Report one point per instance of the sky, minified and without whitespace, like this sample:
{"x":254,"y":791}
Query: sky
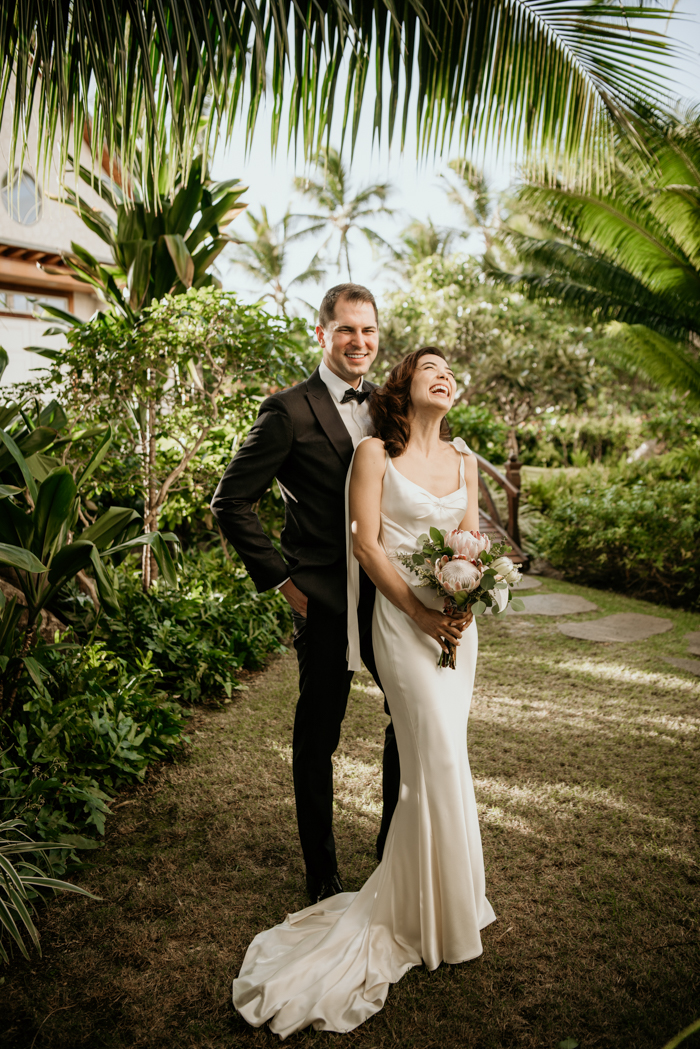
{"x":417,"y":184}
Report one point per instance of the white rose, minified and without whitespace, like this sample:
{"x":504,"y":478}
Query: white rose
{"x":502,"y":566}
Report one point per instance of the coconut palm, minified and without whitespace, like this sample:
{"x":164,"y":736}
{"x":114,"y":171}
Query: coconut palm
{"x":421,"y":240}
{"x":265,"y":258}
{"x":549,"y":74}
{"x":341,"y":211}
{"x":629,"y":252}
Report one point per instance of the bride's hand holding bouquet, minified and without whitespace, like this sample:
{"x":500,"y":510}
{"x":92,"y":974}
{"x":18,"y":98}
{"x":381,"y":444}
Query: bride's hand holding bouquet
{"x":470,"y":572}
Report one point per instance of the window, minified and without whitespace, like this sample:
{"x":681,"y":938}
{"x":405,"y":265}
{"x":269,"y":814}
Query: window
{"x":22,"y":198}
{"x":19,"y":303}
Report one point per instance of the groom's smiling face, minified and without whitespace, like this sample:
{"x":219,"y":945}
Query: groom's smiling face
{"x":350,"y":341}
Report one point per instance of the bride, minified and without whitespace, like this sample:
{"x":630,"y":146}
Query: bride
{"x":331,"y":964}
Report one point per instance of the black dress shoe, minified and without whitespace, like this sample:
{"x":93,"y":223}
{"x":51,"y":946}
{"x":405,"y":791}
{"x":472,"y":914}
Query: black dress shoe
{"x":321,"y":888}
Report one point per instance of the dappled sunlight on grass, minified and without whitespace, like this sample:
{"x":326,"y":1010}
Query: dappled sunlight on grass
{"x":626,"y":675}
{"x":586,"y":768}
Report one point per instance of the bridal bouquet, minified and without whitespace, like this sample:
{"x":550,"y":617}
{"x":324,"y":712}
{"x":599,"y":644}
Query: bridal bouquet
{"x":465,"y":568}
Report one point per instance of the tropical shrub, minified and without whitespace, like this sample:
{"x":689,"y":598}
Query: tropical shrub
{"x":633,"y":530}
{"x":481,"y":429}
{"x":180,"y":387}
{"x":199,"y":634}
{"x":22,"y":884}
{"x":514,"y":357}
{"x":88,"y":724}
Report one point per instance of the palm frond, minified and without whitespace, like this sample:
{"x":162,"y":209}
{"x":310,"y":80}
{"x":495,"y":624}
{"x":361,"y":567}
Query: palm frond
{"x":667,"y":363}
{"x":544,"y":74}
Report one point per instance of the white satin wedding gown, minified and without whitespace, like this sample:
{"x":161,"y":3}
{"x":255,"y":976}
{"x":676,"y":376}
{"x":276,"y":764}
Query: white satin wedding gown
{"x":331,"y":964}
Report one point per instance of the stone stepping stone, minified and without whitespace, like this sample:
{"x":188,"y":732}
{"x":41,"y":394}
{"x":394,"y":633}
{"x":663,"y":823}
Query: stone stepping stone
{"x":625,"y":626}
{"x":691,"y":665}
{"x":555,"y":605}
{"x":693,"y":642}
{"x":528,"y":582}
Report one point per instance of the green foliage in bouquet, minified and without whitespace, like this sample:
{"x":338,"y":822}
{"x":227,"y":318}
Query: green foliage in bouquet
{"x":480,"y":599}
{"x":87,"y":725}
{"x":199,"y":634}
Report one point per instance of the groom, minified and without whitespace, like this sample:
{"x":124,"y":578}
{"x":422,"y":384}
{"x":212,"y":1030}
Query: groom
{"x":304,"y":437}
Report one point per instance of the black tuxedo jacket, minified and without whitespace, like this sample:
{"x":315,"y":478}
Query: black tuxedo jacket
{"x":299,"y":438}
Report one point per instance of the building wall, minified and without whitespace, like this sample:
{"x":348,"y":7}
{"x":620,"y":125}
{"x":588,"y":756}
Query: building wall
{"x":53,"y":231}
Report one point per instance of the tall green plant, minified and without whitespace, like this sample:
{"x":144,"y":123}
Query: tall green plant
{"x":545,"y":74}
{"x":160,"y":244}
{"x":19,"y":881}
{"x":628,"y":252}
{"x":38,"y":541}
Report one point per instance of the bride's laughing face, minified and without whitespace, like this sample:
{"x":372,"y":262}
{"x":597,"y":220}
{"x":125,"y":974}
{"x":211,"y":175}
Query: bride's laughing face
{"x":433,"y":387}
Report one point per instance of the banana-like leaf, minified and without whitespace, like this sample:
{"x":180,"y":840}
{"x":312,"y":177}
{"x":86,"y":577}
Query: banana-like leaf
{"x":19,"y":558}
{"x":7,"y":490}
{"x":108,"y":594}
{"x":61,"y":315}
{"x":182,"y":260}
{"x":112,"y":523}
{"x":4,"y":360}
{"x":158,"y":543}
{"x":140,"y":274}
{"x":69,"y":560}
{"x":53,"y":511}
{"x":41,"y":437}
{"x":15,"y":526}
{"x":97,"y":456}
{"x":43,"y":351}
{"x":21,"y":462}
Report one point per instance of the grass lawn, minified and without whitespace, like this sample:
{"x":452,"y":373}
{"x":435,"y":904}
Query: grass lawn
{"x":586,"y":763}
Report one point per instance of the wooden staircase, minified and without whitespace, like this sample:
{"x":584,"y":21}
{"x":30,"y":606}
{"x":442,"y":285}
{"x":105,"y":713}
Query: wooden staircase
{"x":489,"y":518}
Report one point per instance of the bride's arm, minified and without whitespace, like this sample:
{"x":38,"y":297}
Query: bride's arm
{"x":365,"y":523}
{"x":470,"y":521}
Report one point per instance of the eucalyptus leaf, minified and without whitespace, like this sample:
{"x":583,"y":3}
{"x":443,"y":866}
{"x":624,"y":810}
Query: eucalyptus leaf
{"x":478,"y":608}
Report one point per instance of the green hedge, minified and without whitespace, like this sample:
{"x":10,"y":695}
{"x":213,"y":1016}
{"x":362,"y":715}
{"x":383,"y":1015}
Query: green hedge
{"x":200,"y":633}
{"x":638,"y":534}
{"x":87,"y":724}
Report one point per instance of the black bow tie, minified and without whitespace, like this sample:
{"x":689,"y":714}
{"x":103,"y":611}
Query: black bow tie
{"x":355,"y":395}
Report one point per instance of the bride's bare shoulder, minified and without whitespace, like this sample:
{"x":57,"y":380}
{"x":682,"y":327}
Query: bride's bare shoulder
{"x":370,"y":450}
{"x":370,"y":455}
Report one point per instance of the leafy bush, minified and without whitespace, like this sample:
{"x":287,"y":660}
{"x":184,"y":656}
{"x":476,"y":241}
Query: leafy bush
{"x":89,"y":724}
{"x":483,"y":432}
{"x":632,"y":530}
{"x":199,"y":634}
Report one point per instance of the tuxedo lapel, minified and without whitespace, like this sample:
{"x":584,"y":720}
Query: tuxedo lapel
{"x":328,"y":416}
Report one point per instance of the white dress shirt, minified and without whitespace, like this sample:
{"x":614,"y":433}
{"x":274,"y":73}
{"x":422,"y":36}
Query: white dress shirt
{"x":355,"y":416}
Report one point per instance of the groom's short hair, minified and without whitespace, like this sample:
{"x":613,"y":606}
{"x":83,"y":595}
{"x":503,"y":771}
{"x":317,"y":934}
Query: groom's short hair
{"x":351,"y":292}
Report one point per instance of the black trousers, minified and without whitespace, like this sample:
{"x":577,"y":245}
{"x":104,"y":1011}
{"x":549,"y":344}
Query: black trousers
{"x":321,"y":643}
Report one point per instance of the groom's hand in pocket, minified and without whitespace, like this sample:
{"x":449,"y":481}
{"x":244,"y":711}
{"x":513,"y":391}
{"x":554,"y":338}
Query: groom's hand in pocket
{"x":295,"y":597}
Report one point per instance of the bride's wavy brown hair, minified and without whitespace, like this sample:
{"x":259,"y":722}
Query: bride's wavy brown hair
{"x":390,"y":403}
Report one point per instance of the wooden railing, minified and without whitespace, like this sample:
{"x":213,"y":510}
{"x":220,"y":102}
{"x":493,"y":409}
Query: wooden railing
{"x":490,"y":519}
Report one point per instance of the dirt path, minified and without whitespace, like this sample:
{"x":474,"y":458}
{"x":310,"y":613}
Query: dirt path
{"x":586,"y":763}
